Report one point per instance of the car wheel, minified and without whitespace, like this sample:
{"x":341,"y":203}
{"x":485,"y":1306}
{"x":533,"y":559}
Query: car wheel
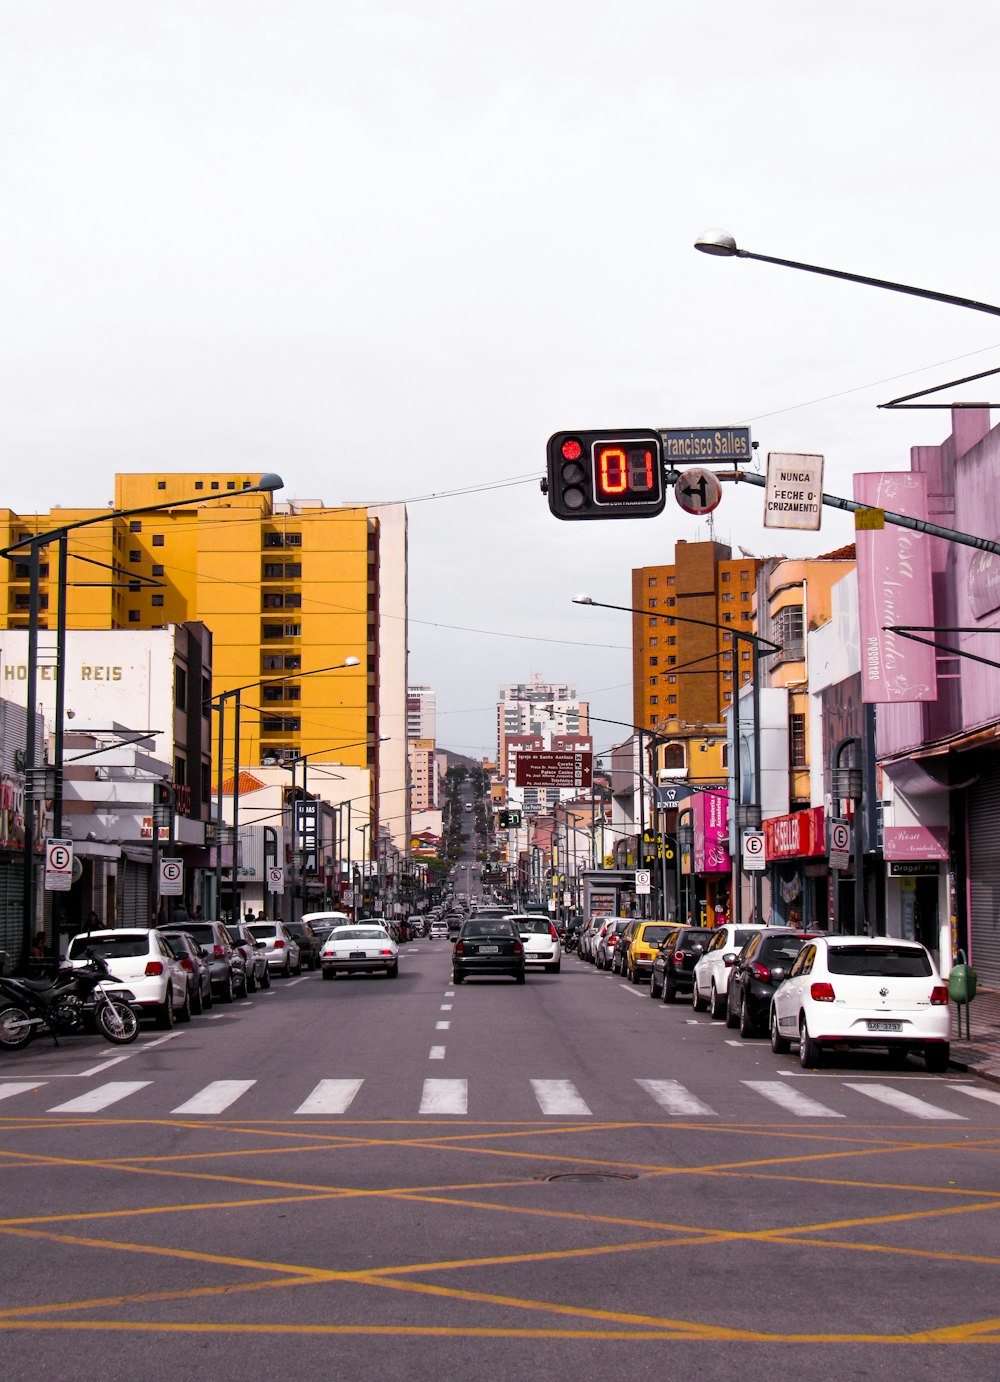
{"x":226,"y":993}
{"x":392,"y":971}
{"x":716,"y":1005}
{"x":697,"y":1002}
{"x":197,"y":1002}
{"x":208,"y":999}
{"x":457,"y":977}
{"x":244,"y":989}
{"x":810,"y":1054}
{"x":329,"y":974}
{"x":936,"y":1057}
{"x":669,"y":991}
{"x":286,"y":968}
{"x":251,"y":980}
{"x":633,"y":976}
{"x":185,"y":1013}
{"x":265,"y":978}
{"x":654,"y":992}
{"x":747,"y":1025}
{"x":164,"y":1012}
{"x":554,"y":969}
{"x":298,"y":969}
{"x":779,"y":1045}
{"x":732,"y":1011}
{"x":519,"y":978}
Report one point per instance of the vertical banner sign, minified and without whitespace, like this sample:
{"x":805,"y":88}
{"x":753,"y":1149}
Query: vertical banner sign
{"x":894,"y":587}
{"x":171,"y":878}
{"x":710,"y":828}
{"x":58,"y":866}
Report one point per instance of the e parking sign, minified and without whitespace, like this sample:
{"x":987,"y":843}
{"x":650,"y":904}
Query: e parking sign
{"x":58,"y":866}
{"x":171,"y":878}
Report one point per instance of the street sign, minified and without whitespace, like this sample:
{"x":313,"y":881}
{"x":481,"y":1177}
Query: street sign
{"x":58,"y":866}
{"x":794,"y":494}
{"x":548,"y":769}
{"x":705,"y":444}
{"x":642,"y":882}
{"x":171,"y":878}
{"x":698,"y":491}
{"x":671,"y":793}
{"x":754,"y":860}
{"x":840,"y":844}
{"x":275,"y":878}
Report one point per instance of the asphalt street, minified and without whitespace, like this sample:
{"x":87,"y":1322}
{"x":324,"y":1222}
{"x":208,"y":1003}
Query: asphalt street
{"x":380,"y":1177}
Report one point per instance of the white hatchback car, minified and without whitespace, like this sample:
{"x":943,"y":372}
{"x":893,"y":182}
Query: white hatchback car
{"x":360,"y":948}
{"x":540,"y":940}
{"x":142,"y":960}
{"x":711,"y":973}
{"x":863,"y":991}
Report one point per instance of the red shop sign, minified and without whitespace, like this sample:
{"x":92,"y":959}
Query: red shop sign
{"x":798,"y":836}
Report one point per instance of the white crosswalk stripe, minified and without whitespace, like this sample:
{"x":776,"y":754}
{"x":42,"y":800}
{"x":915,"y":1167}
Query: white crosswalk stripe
{"x":560,"y":1097}
{"x":331,"y":1096}
{"x":989,"y":1096}
{"x":445,"y":1096}
{"x":215,"y":1097}
{"x":7,"y":1091}
{"x":674,"y":1099}
{"x":791,"y":1100}
{"x":903,"y":1102}
{"x":102,"y":1097}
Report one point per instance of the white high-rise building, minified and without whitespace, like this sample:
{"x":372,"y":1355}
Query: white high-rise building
{"x":421,"y":713}
{"x":537,"y":714}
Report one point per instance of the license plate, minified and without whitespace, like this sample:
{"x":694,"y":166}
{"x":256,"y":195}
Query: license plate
{"x":885,"y":1026}
{"x":357,"y":955}
{"x":489,"y":950}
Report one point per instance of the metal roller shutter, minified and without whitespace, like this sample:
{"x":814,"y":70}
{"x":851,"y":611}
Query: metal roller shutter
{"x":984,"y":874}
{"x":12,"y":907}
{"x":133,"y":896}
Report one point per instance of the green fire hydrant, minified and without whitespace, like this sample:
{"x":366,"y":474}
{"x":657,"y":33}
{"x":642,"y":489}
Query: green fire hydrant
{"x":962,"y":984}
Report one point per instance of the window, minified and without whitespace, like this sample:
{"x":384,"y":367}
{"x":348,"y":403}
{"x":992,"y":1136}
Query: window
{"x":653,"y":623}
{"x":652,"y":642}
{"x":293,"y":539}
{"x":273,"y":571}
{"x":293,"y":630}
{"x":215,"y":484}
{"x":745,"y":597}
{"x":727,"y":676}
{"x":671,"y":700}
{"x":273,"y":540}
{"x":788,"y":630}
{"x":797,"y":740}
{"x":672,"y":681}
{"x":135,"y":585}
{"x":671,"y":660}
{"x":206,"y":698}
{"x":745,"y":655}
{"x":180,"y":771}
{"x":673,"y":756}
{"x":230,"y":484}
{"x":651,"y":582}
{"x":292,"y":662}
{"x":725,"y":575}
{"x":180,"y":688}
{"x":654,"y":700}
{"x":135,"y":526}
{"x":727,"y":618}
{"x":654,"y":662}
{"x":654,"y":681}
{"x":158,"y":601}
{"x":652,"y":604}
{"x":671,"y":600}
{"x":727,"y":598}
{"x":161,"y":484}
{"x":670,"y":580}
{"x":272,"y":631}
{"x":271,"y":662}
{"x":157,"y":539}
{"x":671,"y":642}
{"x":274,"y":601}
{"x":134,"y":554}
{"x":157,"y":570}
{"x":134,"y":617}
{"x":199,"y":484}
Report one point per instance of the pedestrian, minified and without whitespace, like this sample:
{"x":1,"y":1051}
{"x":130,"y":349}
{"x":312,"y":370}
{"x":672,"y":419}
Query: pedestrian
{"x":196,"y":912}
{"x":249,"y":916}
{"x":93,"y":922}
{"x":181,"y":914}
{"x":38,"y":946}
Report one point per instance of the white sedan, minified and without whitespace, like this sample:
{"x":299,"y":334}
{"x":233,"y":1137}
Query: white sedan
{"x":359,"y":949}
{"x":540,"y":940}
{"x":863,"y":991}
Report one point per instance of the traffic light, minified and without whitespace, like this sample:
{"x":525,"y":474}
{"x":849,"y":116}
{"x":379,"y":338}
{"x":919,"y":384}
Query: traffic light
{"x":609,"y":474}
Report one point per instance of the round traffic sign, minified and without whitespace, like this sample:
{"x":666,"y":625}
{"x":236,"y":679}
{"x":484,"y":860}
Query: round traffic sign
{"x":275,"y":875}
{"x":60,"y":857}
{"x":170,"y":870}
{"x":840,"y":837}
{"x":753,"y":844}
{"x":698,"y":490}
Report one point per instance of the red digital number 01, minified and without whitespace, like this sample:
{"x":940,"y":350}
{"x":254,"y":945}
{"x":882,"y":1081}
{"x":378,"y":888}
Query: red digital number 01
{"x":612,"y":472}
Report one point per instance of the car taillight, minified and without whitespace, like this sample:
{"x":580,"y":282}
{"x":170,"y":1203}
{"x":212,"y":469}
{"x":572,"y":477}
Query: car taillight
{"x":553,"y":932}
{"x":679,"y":957}
{"x":761,"y":972}
{"x":518,"y":948}
{"x":153,"y":968}
{"x":187,"y":963}
{"x":279,"y":944}
{"x":459,"y":948}
{"x":219,"y":952}
{"x":939,"y":996}
{"x":385,"y":952}
{"x":821,"y":993}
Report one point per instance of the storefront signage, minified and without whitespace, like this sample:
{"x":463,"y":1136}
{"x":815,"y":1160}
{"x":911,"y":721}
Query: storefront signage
{"x":914,"y":868}
{"x":11,"y":811}
{"x":915,"y":841}
{"x":984,"y":584}
{"x":710,"y":830}
{"x":801,"y":835}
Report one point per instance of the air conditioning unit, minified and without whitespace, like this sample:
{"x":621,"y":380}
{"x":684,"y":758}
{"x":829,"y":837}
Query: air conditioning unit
{"x":269,"y":762}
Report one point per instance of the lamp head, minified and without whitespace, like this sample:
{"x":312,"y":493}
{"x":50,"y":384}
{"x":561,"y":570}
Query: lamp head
{"x":716,"y":242}
{"x":583,"y":600}
{"x":352,"y":661}
{"x":270,"y":481}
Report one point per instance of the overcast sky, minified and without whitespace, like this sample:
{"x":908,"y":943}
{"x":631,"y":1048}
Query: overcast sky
{"x":388,"y":248}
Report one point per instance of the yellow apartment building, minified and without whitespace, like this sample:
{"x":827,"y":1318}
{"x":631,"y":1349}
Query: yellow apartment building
{"x":286,"y":588}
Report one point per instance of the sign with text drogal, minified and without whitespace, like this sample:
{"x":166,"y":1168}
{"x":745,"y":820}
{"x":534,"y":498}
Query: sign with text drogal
{"x":794,"y":494}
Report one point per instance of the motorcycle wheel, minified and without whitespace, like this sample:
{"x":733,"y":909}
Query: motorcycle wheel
{"x":10,"y":1038}
{"x":117,"y":1023}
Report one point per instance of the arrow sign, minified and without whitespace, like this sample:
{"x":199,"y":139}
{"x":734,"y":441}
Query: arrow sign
{"x":698,"y":491}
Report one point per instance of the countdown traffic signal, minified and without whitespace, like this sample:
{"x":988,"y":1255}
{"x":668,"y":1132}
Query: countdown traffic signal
{"x":608,"y":474}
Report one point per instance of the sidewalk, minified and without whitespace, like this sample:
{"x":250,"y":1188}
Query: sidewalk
{"x":980,"y":1055}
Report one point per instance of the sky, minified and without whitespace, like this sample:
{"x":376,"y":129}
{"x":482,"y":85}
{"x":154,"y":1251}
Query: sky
{"x":387,"y":249}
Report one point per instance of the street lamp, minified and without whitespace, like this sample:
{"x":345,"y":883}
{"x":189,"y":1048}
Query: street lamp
{"x":752,"y":813}
{"x":34,"y":543}
{"x":219,"y":702}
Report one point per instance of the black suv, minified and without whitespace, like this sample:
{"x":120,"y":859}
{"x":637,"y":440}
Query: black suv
{"x":673,"y":968}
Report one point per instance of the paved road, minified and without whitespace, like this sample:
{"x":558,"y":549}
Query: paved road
{"x":394,"y":1177}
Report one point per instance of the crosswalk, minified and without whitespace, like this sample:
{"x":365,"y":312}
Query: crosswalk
{"x":935,"y":1101}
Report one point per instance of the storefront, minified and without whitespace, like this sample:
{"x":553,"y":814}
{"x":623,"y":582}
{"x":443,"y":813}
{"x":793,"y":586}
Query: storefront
{"x":795,"y":854}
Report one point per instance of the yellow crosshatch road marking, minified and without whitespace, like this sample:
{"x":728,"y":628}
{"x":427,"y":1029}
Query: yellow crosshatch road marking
{"x":550,"y":1146}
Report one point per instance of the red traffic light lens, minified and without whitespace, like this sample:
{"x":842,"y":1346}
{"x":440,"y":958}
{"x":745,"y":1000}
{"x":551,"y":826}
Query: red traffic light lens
{"x":571,"y":449}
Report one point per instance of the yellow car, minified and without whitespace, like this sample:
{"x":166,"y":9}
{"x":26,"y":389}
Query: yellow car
{"x":643,"y":944}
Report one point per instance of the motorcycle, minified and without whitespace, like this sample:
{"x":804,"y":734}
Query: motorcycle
{"x":571,"y":941}
{"x":64,"y":1004}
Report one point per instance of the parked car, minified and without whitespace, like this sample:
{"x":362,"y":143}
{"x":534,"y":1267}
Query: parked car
{"x":309,"y":943}
{"x":760,"y":967}
{"x":711,"y":973}
{"x":229,"y":975}
{"x":861,"y":991}
{"x":254,"y":959}
{"x":195,"y":965}
{"x":644,"y":940}
{"x":361,"y":948}
{"x":540,"y":940}
{"x":673,"y":965}
{"x":142,"y":960}
{"x":589,"y":936}
{"x":488,"y":945}
{"x":281,"y":949}
{"x":621,"y":945}
{"x":607,"y":942}
{"x":323,"y":923}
